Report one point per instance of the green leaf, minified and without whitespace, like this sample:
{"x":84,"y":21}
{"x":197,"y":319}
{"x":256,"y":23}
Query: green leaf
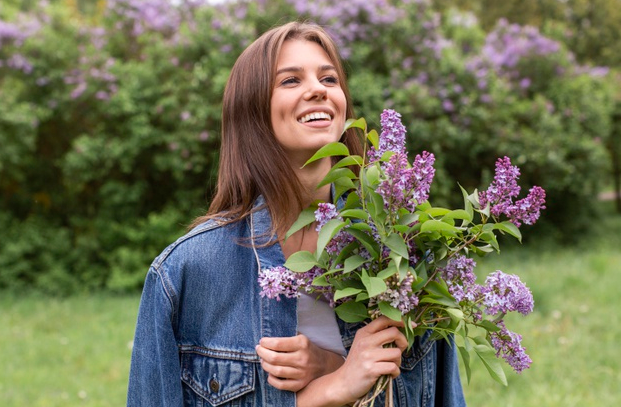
{"x":346,"y":252}
{"x":467,"y":204}
{"x":353,"y":202}
{"x":329,"y":150}
{"x":372,"y":174}
{"x":374,"y":285}
{"x":491,"y":362}
{"x":488,"y":325}
{"x":352,"y":311}
{"x":306,"y":217}
{"x":335,"y":174}
{"x":373,"y":137}
{"x":437,"y":211}
{"x":459,"y":214}
{"x":509,"y":228}
{"x":346,"y":292}
{"x":465,"y":357}
{"x":390,"y":270}
{"x":353,"y":262}
{"x":455,"y":313}
{"x":356,"y":123}
{"x":390,"y":311}
{"x":327,"y":232}
{"x":397,"y":244}
{"x":349,"y":160}
{"x":355,"y":213}
{"x":341,"y":186}
{"x":408,"y":219}
{"x":367,"y":241}
{"x":301,"y":261}
{"x":438,"y":226}
{"x":437,"y":300}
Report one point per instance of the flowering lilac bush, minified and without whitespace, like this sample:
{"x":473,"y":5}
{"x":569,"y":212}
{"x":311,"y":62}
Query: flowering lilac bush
{"x":111,"y":116}
{"x":387,"y":251}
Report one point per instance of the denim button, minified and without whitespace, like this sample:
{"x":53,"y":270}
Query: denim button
{"x":214,"y":385}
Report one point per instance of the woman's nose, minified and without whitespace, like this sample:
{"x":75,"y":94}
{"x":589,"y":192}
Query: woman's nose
{"x":316,"y":90}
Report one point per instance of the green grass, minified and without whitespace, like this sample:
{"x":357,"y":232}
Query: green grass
{"x":76,"y":351}
{"x":573,"y":335}
{"x":65,"y":352}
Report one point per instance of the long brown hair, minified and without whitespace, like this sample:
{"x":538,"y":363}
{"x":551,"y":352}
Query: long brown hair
{"x":252,"y":162}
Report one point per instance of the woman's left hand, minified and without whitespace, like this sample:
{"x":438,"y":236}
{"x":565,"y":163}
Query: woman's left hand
{"x":295,"y":361}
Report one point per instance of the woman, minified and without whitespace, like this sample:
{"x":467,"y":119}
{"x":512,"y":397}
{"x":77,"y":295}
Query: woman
{"x":204,"y":335}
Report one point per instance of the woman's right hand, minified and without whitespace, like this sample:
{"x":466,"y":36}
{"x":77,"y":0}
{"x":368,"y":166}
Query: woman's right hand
{"x":366,"y":362}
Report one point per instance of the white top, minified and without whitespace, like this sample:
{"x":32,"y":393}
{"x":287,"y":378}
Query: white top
{"x":317,"y":321}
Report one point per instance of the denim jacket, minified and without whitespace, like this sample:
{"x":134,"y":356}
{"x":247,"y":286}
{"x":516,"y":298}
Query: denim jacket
{"x":201,"y":316}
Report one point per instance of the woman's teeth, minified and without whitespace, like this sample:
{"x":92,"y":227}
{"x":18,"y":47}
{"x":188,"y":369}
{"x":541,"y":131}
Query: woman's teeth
{"x":314,"y":116}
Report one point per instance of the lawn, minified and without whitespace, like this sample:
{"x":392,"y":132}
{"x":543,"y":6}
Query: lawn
{"x":76,"y":351}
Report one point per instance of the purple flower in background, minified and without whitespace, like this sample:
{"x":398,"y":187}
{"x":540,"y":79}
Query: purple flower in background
{"x":509,"y":345}
{"x":504,"y":293}
{"x":392,"y":137}
{"x":503,"y":188}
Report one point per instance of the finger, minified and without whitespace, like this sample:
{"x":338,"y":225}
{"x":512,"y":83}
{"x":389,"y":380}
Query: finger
{"x":380,"y":324}
{"x":285,"y":344}
{"x":277,"y":358}
{"x":283,"y":372}
{"x":281,"y":384}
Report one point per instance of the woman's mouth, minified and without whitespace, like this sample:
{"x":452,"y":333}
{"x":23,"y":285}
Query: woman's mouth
{"x":316,"y":116}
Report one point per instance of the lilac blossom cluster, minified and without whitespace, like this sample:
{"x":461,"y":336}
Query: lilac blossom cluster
{"x":509,"y":345}
{"x":356,"y":20}
{"x":460,"y":278}
{"x":504,"y":293}
{"x":399,"y":294}
{"x":403,"y":186}
{"x":506,"y":47}
{"x":279,"y":280}
{"x":499,"y":196}
{"x":392,"y":137}
{"x":156,"y":15}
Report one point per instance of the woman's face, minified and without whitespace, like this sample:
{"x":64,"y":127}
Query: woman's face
{"x":308,"y":105}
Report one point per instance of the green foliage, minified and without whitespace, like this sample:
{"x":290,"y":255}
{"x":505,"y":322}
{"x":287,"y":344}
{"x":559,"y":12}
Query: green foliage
{"x":110,"y":121}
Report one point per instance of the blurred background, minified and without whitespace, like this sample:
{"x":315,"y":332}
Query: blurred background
{"x":109,"y":137}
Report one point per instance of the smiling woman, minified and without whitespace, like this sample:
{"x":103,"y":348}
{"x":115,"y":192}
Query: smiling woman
{"x":308,"y":105}
{"x":205,"y":336}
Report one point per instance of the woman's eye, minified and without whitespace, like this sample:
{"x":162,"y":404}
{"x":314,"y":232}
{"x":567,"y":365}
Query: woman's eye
{"x":333,"y":80}
{"x":289,"y":81}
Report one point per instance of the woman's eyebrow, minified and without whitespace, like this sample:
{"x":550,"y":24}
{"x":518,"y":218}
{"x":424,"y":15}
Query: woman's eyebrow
{"x":322,"y":68}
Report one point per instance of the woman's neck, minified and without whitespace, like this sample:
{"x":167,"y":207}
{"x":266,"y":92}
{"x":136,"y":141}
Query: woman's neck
{"x":311,"y":175}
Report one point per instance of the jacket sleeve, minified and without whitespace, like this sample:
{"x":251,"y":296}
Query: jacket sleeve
{"x":155,"y":373}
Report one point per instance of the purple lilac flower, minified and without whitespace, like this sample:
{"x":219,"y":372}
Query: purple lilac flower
{"x":325,"y":212}
{"x":399,"y":294}
{"x":503,"y":188}
{"x":504,"y":293}
{"x":396,"y":188}
{"x":392,"y":137}
{"x":509,"y":345}
{"x":278,"y":280}
{"x":460,"y":278}
{"x":423,"y":172}
{"x":527,"y":210}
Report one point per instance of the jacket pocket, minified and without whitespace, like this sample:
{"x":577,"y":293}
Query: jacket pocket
{"x":421,"y":347}
{"x":217,"y":380}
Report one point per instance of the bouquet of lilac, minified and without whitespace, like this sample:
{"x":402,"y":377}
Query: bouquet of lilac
{"x":388,"y":251}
